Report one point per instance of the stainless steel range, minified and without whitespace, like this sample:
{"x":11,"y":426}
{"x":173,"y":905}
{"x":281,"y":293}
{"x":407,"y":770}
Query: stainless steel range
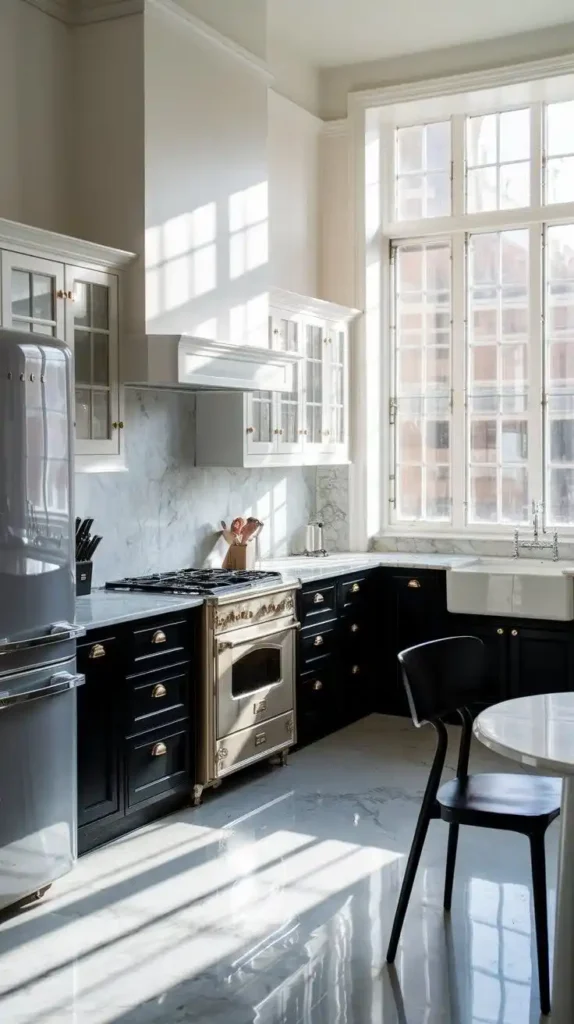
{"x":246,"y":699}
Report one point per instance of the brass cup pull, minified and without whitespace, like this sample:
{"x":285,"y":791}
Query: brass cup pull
{"x":355,"y":670}
{"x":414,"y":584}
{"x":514,"y":632}
{"x":318,"y":599}
{"x":159,"y":690}
{"x":317,"y":685}
{"x":500,"y":632}
{"x":97,"y":651}
{"x":354,"y":628}
{"x":158,"y":750}
{"x":355,"y":588}
{"x":159,"y":637}
{"x":318,"y":641}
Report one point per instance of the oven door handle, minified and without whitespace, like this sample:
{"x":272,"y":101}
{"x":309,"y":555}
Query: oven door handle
{"x":227,"y":645}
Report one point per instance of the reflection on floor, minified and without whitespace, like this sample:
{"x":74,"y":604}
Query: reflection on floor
{"x":272,"y":903}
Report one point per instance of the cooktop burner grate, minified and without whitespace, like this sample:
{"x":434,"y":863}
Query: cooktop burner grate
{"x":195,"y":581}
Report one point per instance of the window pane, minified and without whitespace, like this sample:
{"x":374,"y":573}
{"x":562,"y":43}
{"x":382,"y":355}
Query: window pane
{"x":560,"y":128}
{"x":560,"y":180}
{"x":423,"y":381}
{"x":498,"y":377}
{"x":559,"y":347}
{"x":423,"y":181}
{"x":514,"y":185}
{"x":514,"y":130}
{"x":481,"y":190}
{"x":481,"y":147}
{"x":498,"y":161}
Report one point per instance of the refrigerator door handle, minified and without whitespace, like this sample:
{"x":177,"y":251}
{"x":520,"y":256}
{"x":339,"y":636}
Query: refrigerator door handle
{"x":59,"y":683}
{"x":60,"y":632}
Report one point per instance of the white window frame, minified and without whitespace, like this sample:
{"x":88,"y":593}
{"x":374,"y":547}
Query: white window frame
{"x":426,"y":107}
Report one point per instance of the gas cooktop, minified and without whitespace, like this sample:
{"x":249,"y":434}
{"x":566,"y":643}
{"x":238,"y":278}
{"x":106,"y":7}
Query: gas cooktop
{"x":197,"y":582}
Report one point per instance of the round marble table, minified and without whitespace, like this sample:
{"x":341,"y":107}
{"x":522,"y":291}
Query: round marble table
{"x":539,"y":732}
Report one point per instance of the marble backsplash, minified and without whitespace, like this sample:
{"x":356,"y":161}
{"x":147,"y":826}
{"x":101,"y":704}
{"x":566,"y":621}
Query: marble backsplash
{"x":164,"y":512}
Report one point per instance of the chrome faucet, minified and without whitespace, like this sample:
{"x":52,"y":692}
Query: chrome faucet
{"x":536,"y":544}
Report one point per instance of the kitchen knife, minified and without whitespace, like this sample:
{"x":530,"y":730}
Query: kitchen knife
{"x":90,"y":548}
{"x":83,"y":535}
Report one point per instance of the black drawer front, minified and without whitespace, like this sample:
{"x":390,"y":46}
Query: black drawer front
{"x":352,"y":593}
{"x":162,"y":642}
{"x":318,"y":604}
{"x":97,"y":655}
{"x":315,"y":643}
{"x":156,"y":696}
{"x":157,"y":763}
{"x":317,"y":703}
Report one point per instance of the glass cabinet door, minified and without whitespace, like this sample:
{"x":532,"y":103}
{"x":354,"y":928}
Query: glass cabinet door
{"x":335,"y":392}
{"x":315,"y":345}
{"x":289,"y":433}
{"x":33,"y":295}
{"x":260,"y":436}
{"x":92,"y":331}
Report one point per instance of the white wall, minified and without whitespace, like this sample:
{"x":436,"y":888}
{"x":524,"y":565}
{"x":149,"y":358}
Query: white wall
{"x":34,"y":111}
{"x":293,"y":78}
{"x":293,"y":152}
{"x":336,"y":259}
{"x":206,"y":210}
{"x":337,"y":83}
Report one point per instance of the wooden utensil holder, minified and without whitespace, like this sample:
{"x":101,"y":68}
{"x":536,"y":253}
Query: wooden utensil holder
{"x":240,"y":556}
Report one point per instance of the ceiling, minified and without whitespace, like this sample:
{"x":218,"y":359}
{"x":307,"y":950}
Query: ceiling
{"x":327,"y":33}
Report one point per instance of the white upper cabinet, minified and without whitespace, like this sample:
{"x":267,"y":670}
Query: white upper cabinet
{"x":308,"y":426}
{"x":43,"y":292}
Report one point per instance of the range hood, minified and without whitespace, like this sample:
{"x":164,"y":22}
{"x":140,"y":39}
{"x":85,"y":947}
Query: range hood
{"x":181,"y":362}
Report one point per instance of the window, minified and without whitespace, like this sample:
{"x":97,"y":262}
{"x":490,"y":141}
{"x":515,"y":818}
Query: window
{"x":480,"y":234}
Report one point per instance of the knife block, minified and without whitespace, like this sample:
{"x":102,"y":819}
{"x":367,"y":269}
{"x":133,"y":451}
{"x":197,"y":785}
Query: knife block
{"x":240,"y":556}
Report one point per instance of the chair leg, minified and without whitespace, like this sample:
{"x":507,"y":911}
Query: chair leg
{"x":418,"y":842}
{"x":538,"y":859}
{"x":450,"y":862}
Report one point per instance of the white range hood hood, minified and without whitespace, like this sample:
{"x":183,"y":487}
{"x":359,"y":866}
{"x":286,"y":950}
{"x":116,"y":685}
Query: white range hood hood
{"x":180,"y":362}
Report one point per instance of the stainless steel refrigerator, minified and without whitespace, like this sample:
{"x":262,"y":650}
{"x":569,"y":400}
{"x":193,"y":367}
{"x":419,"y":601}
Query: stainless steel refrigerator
{"x":38,"y":676}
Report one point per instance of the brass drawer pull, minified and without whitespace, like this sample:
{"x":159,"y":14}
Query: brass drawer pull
{"x":159,"y":690}
{"x":260,"y":738}
{"x":318,"y":641}
{"x":97,"y":651}
{"x":355,"y":670}
{"x":415,"y":584}
{"x":159,"y":637}
{"x":259,"y":707}
{"x":354,"y":628}
{"x":158,"y":750}
{"x":355,"y":588}
{"x":317,"y":685}
{"x":318,"y":599}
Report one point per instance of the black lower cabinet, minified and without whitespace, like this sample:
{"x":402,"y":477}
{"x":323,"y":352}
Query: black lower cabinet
{"x":135,"y":727}
{"x":541,"y":660}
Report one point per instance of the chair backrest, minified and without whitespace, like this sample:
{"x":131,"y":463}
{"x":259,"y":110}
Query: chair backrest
{"x":442,"y":676}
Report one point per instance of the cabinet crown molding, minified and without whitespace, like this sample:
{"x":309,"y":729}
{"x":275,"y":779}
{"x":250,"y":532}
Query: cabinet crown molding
{"x":279,"y":298}
{"x":63,"y":248}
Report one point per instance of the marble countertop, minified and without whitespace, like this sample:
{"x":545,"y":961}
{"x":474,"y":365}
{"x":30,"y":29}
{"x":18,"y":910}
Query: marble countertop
{"x":107,"y":607}
{"x":309,"y":569}
{"x":537,"y":731}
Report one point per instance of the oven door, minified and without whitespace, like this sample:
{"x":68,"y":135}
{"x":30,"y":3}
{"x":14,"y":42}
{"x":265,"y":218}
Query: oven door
{"x":255,"y":677}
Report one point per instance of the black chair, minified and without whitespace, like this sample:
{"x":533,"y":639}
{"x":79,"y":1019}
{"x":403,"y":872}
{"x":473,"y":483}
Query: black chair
{"x":445,"y":677}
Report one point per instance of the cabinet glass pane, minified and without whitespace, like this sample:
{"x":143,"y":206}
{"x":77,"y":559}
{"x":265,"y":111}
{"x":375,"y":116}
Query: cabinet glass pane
{"x":44,"y":329}
{"x":21,"y":294}
{"x":261,"y":404}
{"x":100,"y":415}
{"x":81,"y":304}
{"x":83,"y":414}
{"x":314,"y":384}
{"x":82,"y":357}
{"x":100,"y":307}
{"x":100,"y":351}
{"x":42,"y":297}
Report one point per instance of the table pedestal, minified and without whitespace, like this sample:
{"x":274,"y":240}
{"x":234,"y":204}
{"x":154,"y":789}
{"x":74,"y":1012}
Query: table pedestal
{"x":563,"y":971}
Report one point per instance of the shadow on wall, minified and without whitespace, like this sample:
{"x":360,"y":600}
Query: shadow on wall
{"x":163,"y":513}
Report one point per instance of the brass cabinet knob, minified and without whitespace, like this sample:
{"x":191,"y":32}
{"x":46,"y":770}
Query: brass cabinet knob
{"x":354,"y":628}
{"x":355,"y":670}
{"x":514,"y":632}
{"x":159,"y":637}
{"x":318,"y":641}
{"x":415,"y":584}
{"x":159,"y":690}
{"x":118,"y":424}
{"x":302,"y":431}
{"x":60,"y":294}
{"x":500,"y":632}
{"x":355,"y":588}
{"x":317,"y":685}
{"x":277,"y":431}
{"x":250,"y":430}
{"x":97,"y":651}
{"x":318,"y":599}
{"x":158,"y":750}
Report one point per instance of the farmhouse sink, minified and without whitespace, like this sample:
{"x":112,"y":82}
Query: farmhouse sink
{"x":526,"y":588}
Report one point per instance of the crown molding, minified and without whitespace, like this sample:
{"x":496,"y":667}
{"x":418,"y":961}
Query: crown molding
{"x":337,"y":128}
{"x":85,"y":12}
{"x":212,"y":38}
{"x":470,"y":81}
{"x":60,"y":9}
{"x":38,"y":241}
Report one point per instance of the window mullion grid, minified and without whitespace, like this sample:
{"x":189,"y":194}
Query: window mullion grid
{"x":536,"y":399}
{"x":393,"y":377}
{"x":536,"y":153}
{"x":458,"y":427}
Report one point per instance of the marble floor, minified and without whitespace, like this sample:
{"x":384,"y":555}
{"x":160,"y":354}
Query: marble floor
{"x":272,"y":903}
